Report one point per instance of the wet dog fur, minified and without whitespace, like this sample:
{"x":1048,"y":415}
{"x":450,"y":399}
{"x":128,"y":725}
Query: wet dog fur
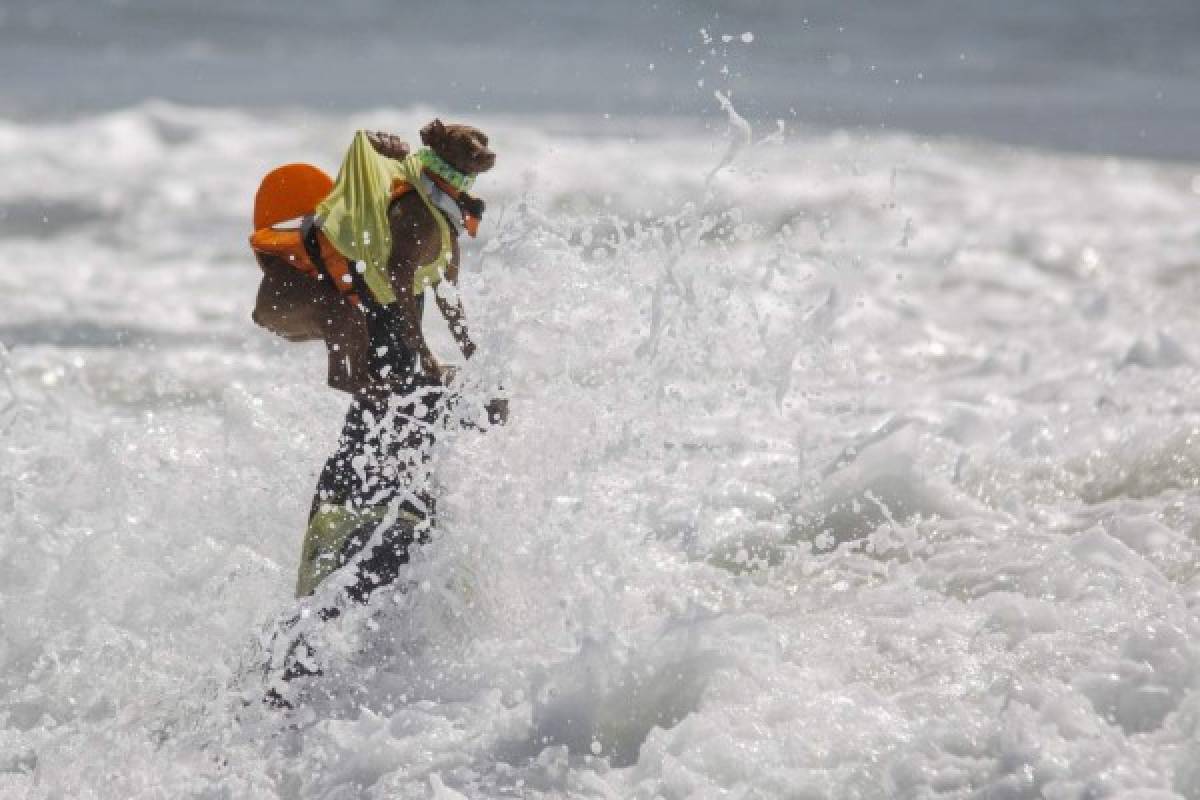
{"x":305,"y":309}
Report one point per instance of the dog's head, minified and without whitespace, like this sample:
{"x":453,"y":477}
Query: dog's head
{"x":462,"y":146}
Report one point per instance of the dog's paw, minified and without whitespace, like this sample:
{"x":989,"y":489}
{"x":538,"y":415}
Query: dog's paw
{"x":389,"y":145}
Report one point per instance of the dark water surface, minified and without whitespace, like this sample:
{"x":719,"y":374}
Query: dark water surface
{"x":1089,"y":75}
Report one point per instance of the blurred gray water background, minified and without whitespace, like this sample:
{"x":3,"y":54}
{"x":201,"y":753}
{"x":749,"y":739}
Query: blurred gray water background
{"x":1085,"y":75}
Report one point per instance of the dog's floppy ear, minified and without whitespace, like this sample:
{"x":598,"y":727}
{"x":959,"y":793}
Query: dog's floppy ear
{"x":432,"y":133}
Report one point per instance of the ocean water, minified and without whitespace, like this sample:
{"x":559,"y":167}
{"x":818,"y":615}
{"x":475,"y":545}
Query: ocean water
{"x":1099,"y":76}
{"x":839,"y":466}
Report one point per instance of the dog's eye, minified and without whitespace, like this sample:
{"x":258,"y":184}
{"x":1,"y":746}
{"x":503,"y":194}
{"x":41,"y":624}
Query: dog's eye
{"x":483,"y":140}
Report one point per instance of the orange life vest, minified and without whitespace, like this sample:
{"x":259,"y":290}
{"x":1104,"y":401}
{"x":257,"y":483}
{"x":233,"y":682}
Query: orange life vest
{"x":288,"y":193}
{"x":292,"y":192}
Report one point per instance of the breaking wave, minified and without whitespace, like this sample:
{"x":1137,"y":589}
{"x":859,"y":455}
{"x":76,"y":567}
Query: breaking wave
{"x":857,"y":467}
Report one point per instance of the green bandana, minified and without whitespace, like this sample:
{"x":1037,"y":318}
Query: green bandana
{"x":437,"y":165}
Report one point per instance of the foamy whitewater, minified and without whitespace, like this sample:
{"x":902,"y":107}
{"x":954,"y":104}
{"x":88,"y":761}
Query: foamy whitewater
{"x":838,"y":467}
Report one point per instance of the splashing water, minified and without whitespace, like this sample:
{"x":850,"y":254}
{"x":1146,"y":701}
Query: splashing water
{"x":866,"y":469}
{"x":740,"y":134}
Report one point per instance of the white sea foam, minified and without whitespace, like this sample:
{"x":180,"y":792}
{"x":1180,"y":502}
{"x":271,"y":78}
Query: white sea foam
{"x":866,"y":469}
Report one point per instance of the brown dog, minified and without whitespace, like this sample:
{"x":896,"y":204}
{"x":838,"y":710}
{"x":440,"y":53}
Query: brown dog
{"x":415,"y":240}
{"x":373,"y":501}
{"x":302,"y":309}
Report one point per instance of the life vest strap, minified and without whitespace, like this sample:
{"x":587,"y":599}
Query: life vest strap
{"x":470,"y":221}
{"x":308,"y":251}
{"x":331,"y":264}
{"x":460,"y":197}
